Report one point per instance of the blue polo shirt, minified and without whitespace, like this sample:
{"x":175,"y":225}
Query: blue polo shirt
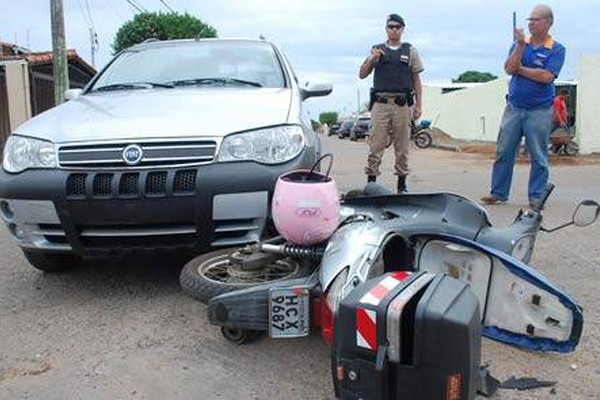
{"x":529,"y":94}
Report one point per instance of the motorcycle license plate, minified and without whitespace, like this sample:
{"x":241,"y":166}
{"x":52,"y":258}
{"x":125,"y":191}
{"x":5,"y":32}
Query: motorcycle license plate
{"x":289,"y":312}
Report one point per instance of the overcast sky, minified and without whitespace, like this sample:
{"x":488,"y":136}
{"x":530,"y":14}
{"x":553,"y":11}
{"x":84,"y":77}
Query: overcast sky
{"x":328,"y":38}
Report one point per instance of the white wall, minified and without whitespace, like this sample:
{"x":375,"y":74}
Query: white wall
{"x":17,"y":85}
{"x":588,"y":104}
{"x":472,"y":114}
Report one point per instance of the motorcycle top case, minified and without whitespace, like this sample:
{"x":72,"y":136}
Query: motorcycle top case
{"x":407,"y":336}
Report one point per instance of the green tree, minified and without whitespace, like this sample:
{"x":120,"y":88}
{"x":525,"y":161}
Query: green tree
{"x":162,"y":26}
{"x":329,"y":117}
{"x":474,"y":76}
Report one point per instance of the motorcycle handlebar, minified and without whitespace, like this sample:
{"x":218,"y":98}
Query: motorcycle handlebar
{"x":549,"y":188}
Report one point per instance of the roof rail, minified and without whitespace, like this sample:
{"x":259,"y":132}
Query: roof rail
{"x":152,"y":39}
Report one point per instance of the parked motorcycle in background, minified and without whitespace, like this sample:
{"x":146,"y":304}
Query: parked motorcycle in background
{"x":420,"y":133}
{"x":562,"y":141}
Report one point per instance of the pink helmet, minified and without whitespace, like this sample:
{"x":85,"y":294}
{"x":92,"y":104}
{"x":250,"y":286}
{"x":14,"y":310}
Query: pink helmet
{"x":305,"y":206}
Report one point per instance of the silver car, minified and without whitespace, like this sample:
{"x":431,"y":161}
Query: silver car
{"x":174,"y":145}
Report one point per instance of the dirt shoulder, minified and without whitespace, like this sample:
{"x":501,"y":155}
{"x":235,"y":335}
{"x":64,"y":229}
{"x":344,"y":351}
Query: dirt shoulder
{"x":488,"y":150}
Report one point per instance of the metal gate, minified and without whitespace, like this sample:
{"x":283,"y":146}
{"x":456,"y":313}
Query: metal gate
{"x":42,"y":92}
{"x":4,"y":117}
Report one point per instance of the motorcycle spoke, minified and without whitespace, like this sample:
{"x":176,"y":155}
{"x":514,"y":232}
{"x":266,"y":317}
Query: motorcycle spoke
{"x":224,"y":272}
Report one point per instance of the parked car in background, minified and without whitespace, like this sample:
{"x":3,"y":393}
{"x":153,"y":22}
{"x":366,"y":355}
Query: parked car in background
{"x":334,"y":128}
{"x":360,"y":129}
{"x":345,"y":128}
{"x":174,"y":145}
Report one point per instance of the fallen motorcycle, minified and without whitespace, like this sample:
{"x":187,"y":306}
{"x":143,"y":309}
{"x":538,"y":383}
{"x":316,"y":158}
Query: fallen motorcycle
{"x":285,"y":289}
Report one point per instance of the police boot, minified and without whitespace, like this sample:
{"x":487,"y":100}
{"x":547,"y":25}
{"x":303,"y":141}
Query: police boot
{"x":402,"y":184}
{"x":371,"y":178}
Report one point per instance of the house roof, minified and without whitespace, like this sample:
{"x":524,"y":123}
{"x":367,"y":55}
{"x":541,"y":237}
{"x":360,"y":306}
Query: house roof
{"x":8,"y":49}
{"x":41,"y":58}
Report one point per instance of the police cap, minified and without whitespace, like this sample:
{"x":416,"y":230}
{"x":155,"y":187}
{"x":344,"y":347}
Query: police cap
{"x":395,"y":18}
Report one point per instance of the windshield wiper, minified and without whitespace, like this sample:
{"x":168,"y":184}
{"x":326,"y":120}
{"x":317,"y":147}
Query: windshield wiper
{"x":212,"y":81}
{"x":133,"y":85}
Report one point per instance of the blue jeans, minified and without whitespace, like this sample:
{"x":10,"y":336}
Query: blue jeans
{"x":535,"y":126}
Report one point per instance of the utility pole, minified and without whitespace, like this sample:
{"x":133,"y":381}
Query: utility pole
{"x":60,"y":71}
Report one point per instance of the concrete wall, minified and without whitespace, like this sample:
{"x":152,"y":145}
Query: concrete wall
{"x":473,"y":113}
{"x":17,"y":86}
{"x":588,"y":104}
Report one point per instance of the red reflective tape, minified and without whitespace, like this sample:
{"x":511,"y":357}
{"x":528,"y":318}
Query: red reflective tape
{"x":400,"y":275}
{"x":379,"y":291}
{"x":453,"y":387}
{"x":366,"y":327}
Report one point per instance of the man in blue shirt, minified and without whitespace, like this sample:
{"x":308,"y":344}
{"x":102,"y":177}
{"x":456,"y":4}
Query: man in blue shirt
{"x":534,"y":64}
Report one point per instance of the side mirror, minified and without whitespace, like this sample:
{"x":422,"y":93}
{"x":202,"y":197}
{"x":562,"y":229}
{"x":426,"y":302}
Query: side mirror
{"x":315,"y":88}
{"x":72,"y":94}
{"x":586,"y":213}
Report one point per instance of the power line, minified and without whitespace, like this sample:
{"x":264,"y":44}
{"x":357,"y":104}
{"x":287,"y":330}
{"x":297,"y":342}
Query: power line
{"x":132,"y":4}
{"x":87,"y":6}
{"x":166,"y":5}
{"x":109,"y":3}
{"x":85,"y":18}
{"x":139,"y":4}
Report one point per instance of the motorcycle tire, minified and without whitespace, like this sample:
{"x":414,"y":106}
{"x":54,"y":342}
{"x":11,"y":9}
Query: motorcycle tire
{"x":423,"y":139}
{"x":571,"y":149}
{"x":212,"y":274}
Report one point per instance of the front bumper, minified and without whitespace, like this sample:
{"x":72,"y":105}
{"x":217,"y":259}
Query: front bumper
{"x":97,"y":211}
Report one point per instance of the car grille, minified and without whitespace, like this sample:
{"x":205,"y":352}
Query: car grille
{"x":131,"y":184}
{"x":154,"y":154}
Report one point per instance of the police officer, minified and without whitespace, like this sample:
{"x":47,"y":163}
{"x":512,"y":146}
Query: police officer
{"x":396,"y":88}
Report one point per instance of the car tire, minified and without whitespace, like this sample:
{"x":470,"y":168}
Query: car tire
{"x":51,"y":262}
{"x":208,"y":275}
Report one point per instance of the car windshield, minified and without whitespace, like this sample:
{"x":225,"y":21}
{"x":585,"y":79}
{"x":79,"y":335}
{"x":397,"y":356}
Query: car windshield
{"x":193,"y":64}
{"x":363,"y":123}
{"x":347,"y":124}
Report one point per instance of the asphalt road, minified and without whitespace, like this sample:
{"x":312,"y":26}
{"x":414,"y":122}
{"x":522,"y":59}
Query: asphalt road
{"x":123,"y":330}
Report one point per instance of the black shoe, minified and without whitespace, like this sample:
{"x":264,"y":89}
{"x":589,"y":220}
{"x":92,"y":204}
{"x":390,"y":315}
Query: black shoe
{"x":371,"y":178}
{"x":402,"y":184}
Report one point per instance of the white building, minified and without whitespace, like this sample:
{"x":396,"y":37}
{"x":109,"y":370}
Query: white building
{"x":474,"y":111}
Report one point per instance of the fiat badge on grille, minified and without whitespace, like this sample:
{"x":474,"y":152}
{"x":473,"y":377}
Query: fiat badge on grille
{"x":132,"y":154}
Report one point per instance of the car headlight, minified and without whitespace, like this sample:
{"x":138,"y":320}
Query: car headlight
{"x":523,"y":247}
{"x":21,"y":153}
{"x":268,"y":146}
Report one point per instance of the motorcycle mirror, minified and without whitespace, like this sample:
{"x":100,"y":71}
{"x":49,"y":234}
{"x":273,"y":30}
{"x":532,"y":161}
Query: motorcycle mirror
{"x":586,"y":213}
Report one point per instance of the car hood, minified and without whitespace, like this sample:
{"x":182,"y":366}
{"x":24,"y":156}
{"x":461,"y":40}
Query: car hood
{"x":159,"y":113}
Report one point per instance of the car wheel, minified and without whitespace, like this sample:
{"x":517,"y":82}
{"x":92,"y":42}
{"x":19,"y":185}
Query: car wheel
{"x":51,"y":262}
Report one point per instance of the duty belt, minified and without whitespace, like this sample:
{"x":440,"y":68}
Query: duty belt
{"x":400,"y":99}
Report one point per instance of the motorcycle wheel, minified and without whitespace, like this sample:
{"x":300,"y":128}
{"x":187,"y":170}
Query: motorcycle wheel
{"x":239,"y":336}
{"x":571,"y":149}
{"x":212,"y":274}
{"x":423,"y":139}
